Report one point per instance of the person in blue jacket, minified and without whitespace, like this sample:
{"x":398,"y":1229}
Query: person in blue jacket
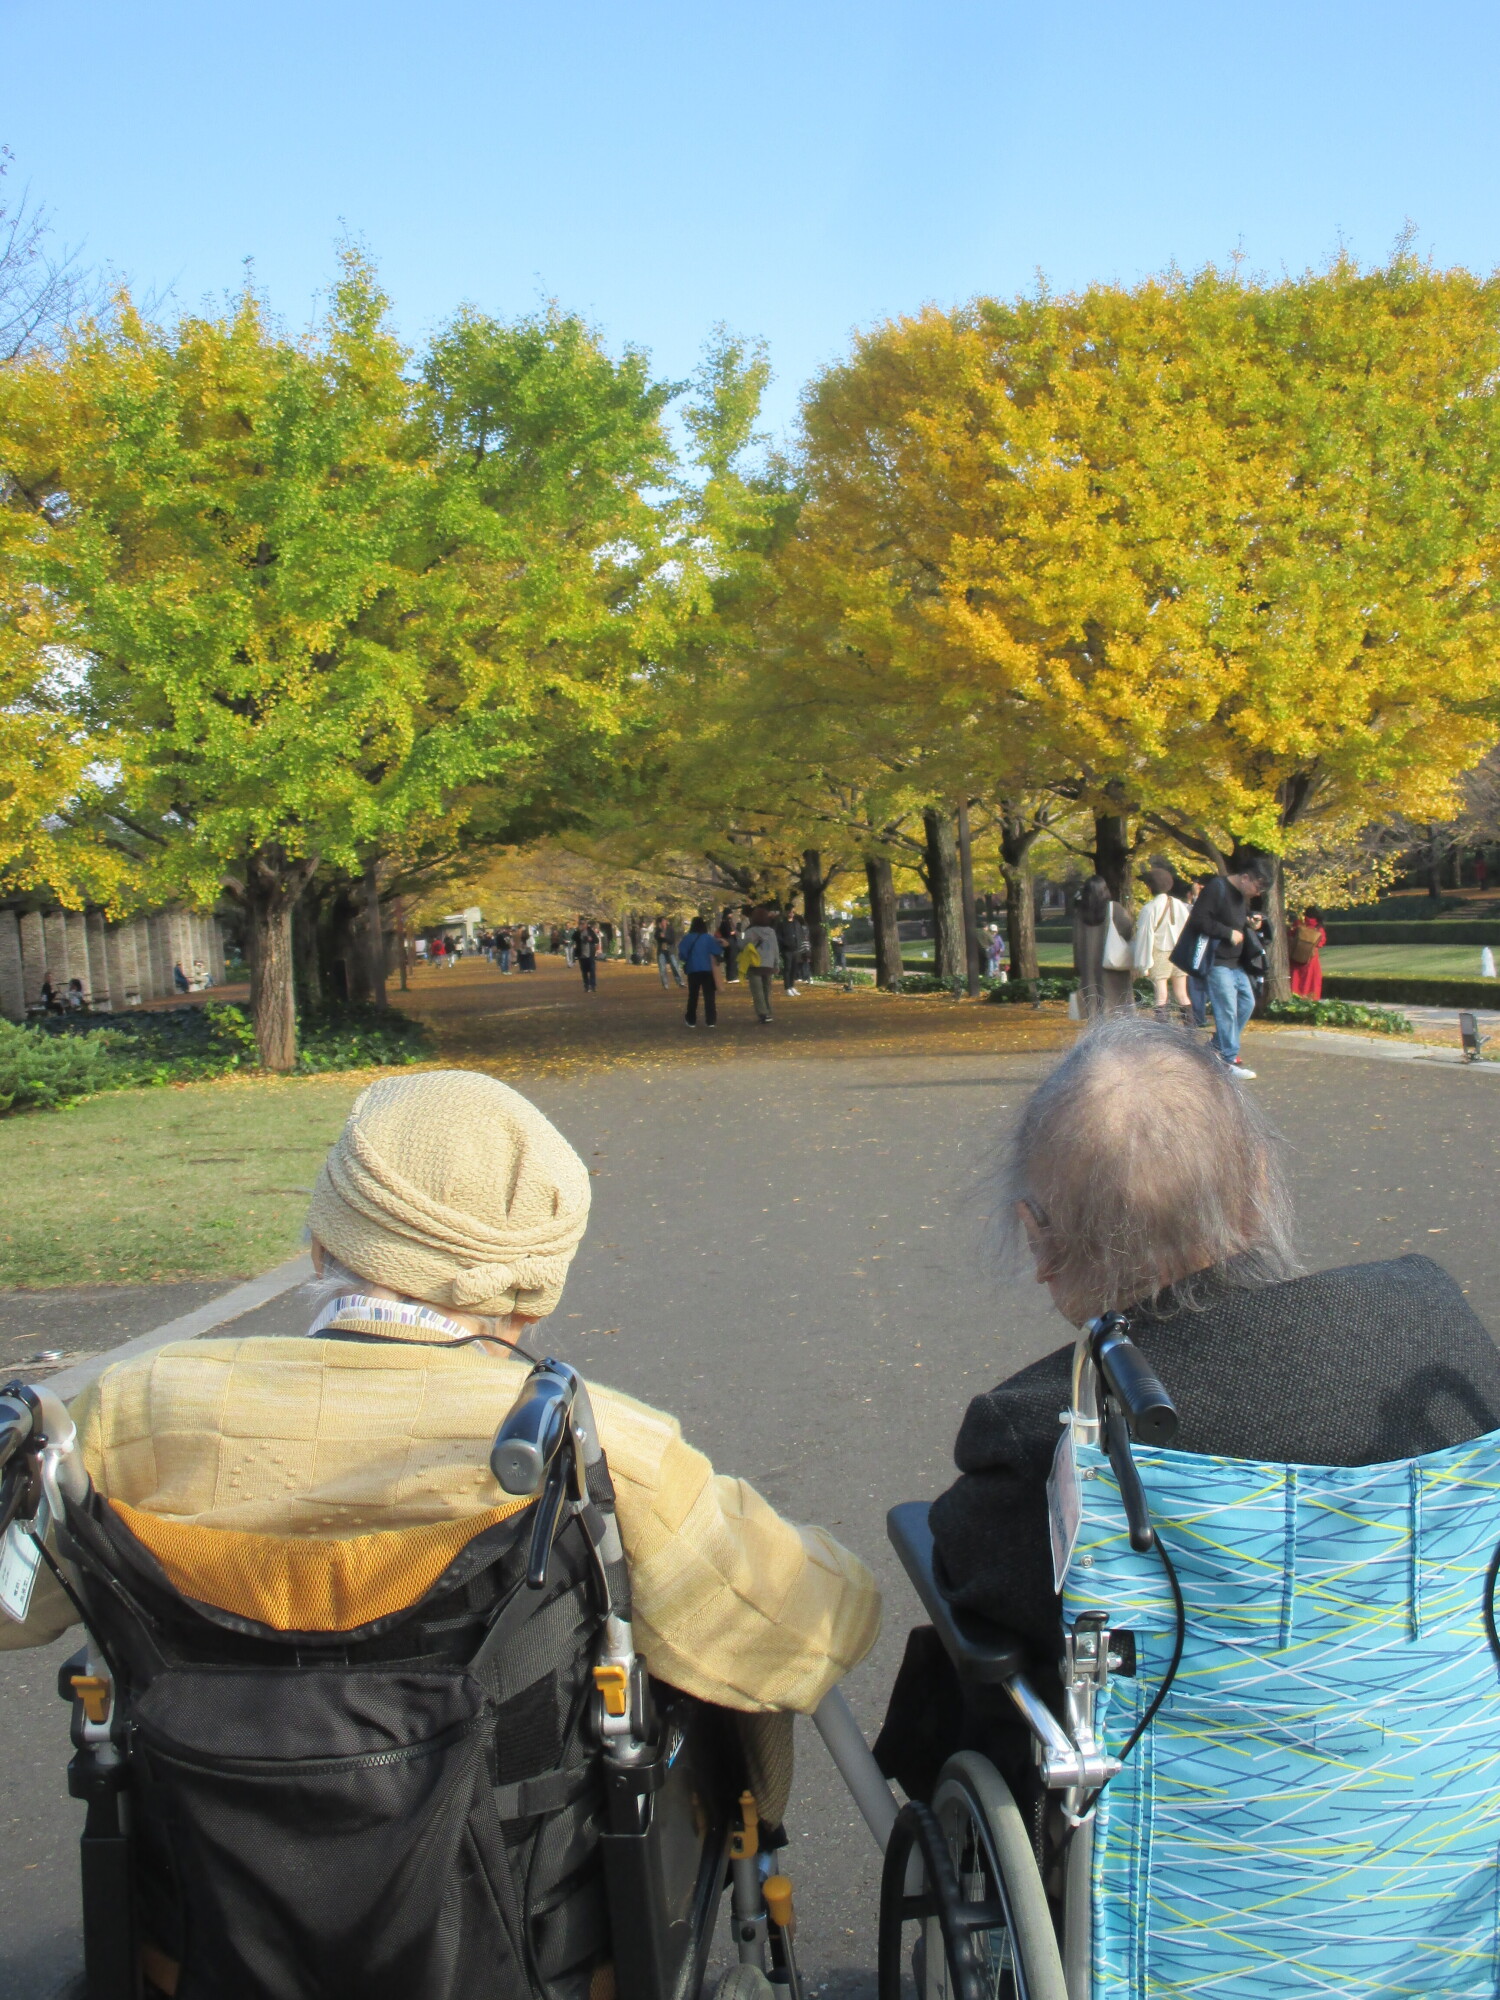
{"x":698,"y":951}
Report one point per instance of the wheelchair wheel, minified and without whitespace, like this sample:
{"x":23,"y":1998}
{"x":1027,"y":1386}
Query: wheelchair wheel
{"x":964,"y":1869}
{"x":744,"y":1982}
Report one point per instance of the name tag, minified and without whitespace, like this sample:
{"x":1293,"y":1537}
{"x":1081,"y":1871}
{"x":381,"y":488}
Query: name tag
{"x":20,"y":1557}
{"x":1064,"y":1506}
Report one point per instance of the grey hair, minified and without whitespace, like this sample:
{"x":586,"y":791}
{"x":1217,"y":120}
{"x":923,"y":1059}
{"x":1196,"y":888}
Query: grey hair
{"x":1148,"y":1165}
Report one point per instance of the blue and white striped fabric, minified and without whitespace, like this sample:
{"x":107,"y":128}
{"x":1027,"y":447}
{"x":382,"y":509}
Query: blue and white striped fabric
{"x":1314,"y":1809}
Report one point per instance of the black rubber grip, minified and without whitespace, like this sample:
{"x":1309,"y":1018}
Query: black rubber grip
{"x":1135,"y":1386}
{"x":534,"y":1428}
{"x":15,"y":1426}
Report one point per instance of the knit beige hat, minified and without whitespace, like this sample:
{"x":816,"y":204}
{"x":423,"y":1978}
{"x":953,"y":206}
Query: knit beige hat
{"x":449,"y":1187}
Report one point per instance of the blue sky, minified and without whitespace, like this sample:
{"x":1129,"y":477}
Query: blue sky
{"x":795,"y":170}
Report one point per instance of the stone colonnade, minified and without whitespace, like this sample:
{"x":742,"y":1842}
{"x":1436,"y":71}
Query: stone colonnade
{"x":119,"y":965}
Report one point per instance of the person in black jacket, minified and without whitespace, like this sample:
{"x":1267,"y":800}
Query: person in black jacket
{"x":1214,"y":943}
{"x":1142,"y":1178}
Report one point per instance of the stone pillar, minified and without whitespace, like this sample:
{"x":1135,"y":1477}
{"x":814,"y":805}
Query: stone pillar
{"x":99,"y":985}
{"x":77,"y":934}
{"x":33,"y":956}
{"x":55,"y":935}
{"x":164,"y":955}
{"x":120,"y":981}
{"x":134,"y":962}
{"x":12,"y":980}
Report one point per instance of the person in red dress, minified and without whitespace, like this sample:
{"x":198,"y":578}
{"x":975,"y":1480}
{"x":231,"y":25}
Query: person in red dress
{"x":1303,"y":946}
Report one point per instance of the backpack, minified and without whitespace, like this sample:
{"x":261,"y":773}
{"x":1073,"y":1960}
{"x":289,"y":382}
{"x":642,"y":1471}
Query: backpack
{"x":410,"y":1807}
{"x":1302,"y":945}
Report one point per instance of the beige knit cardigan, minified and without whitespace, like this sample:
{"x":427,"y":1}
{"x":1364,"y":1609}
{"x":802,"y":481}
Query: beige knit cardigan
{"x":336,"y":1438}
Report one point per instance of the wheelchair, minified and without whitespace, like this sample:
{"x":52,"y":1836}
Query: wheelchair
{"x":1278,"y":1754}
{"x":448,"y":1777}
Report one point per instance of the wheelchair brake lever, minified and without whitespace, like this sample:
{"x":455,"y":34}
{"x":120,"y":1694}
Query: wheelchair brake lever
{"x":1132,"y":1493}
{"x":548,"y":1513}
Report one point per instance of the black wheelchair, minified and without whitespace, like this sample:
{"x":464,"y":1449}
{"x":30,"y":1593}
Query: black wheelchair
{"x":478,"y":1789}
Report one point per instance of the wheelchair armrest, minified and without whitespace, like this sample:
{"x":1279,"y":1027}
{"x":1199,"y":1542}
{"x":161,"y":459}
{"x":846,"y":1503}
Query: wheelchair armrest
{"x":984,"y":1654}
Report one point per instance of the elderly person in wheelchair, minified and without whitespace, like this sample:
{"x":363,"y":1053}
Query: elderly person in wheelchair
{"x":417,"y":1670}
{"x":1255,"y":1516}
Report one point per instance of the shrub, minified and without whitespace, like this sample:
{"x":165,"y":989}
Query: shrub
{"x":67,"y":1056}
{"x":1019,"y":992}
{"x":360,"y":1037}
{"x":42,"y":1072}
{"x":1340,"y":1014}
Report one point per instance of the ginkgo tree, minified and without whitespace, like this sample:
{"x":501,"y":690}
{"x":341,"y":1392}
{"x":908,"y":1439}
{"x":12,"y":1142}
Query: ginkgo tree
{"x":1211,"y":557}
{"x":323,"y":598}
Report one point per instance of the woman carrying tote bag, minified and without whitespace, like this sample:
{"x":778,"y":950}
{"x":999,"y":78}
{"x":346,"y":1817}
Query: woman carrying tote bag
{"x":1157,"y":929}
{"x":1102,"y":934}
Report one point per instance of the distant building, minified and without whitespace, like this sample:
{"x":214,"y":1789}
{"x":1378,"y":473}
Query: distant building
{"x":119,"y":966}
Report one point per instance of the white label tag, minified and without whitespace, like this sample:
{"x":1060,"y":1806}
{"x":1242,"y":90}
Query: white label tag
{"x":1064,"y":1506}
{"x":20,"y":1558}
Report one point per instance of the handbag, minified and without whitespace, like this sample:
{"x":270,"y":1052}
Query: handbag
{"x":718,"y":972}
{"x":1118,"y":955}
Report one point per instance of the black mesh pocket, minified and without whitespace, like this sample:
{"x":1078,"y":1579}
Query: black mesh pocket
{"x":319,"y":1822}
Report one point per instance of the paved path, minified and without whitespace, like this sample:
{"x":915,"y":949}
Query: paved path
{"x":792,"y":1256}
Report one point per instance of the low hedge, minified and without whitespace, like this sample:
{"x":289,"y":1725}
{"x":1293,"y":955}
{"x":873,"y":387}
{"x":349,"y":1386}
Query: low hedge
{"x":1400,"y":990}
{"x":1340,"y":1014}
{"x":61,"y":1058}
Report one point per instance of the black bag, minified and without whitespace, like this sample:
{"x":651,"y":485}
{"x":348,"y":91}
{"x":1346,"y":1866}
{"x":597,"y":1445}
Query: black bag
{"x":406,"y":1812}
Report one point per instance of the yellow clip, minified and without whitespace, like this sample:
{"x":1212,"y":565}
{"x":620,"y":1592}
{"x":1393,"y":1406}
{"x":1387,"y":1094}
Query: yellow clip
{"x":745,"y":1840}
{"x":93,"y":1691}
{"x":777,"y":1891}
{"x":613,"y":1682}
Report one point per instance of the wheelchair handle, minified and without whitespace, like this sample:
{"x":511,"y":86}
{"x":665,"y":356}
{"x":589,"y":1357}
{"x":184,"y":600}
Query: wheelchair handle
{"x":15,"y":1426}
{"x":1133,"y":1382}
{"x":536,"y":1426}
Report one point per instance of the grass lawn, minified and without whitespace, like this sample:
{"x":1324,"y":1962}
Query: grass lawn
{"x":202,"y":1180}
{"x":1432,"y":961}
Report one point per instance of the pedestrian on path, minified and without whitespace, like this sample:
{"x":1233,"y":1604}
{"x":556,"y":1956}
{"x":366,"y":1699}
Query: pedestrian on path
{"x":1302,"y":948}
{"x":700,"y":953}
{"x":730,"y":929}
{"x":505,"y":944}
{"x":1158,"y":927}
{"x":791,"y":935}
{"x":758,"y":955}
{"x":526,"y":949}
{"x":664,"y":935}
{"x":1102,"y":934}
{"x":584,"y":942}
{"x":1214,"y":942}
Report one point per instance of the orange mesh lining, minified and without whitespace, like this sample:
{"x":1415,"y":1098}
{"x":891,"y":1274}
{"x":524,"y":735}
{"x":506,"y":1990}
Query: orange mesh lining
{"x":306,"y":1583}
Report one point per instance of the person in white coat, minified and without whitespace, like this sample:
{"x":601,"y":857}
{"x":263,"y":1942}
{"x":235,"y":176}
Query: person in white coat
{"x":1157,"y":929}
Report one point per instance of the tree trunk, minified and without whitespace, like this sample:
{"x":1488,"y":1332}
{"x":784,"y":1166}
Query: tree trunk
{"x":1456,"y":867}
{"x":811,"y":879}
{"x":1278,"y":960}
{"x":882,"y":887}
{"x":308,"y":981}
{"x":1112,"y":853}
{"x":374,"y":931}
{"x":966,"y":892}
{"x":943,"y":887}
{"x":1434,"y":874}
{"x":272,"y":886}
{"x":402,"y":943}
{"x":1020,"y":917}
{"x":345,"y":962}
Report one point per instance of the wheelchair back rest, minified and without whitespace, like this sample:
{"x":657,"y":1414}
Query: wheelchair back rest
{"x":1312,"y":1810}
{"x":1343,"y":1559}
{"x":306,"y":1583}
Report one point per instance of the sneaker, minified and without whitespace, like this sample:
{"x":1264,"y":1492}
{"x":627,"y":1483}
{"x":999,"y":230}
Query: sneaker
{"x":792,"y":993}
{"x":1239,"y":1069}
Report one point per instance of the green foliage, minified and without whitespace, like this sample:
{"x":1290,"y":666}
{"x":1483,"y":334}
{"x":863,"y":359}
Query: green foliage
{"x":1340,"y":1014}
{"x":1018,"y":992}
{"x":55,"y":1062}
{"x":1412,"y":991}
{"x":340,"y":1037}
{"x":42,"y":1072}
